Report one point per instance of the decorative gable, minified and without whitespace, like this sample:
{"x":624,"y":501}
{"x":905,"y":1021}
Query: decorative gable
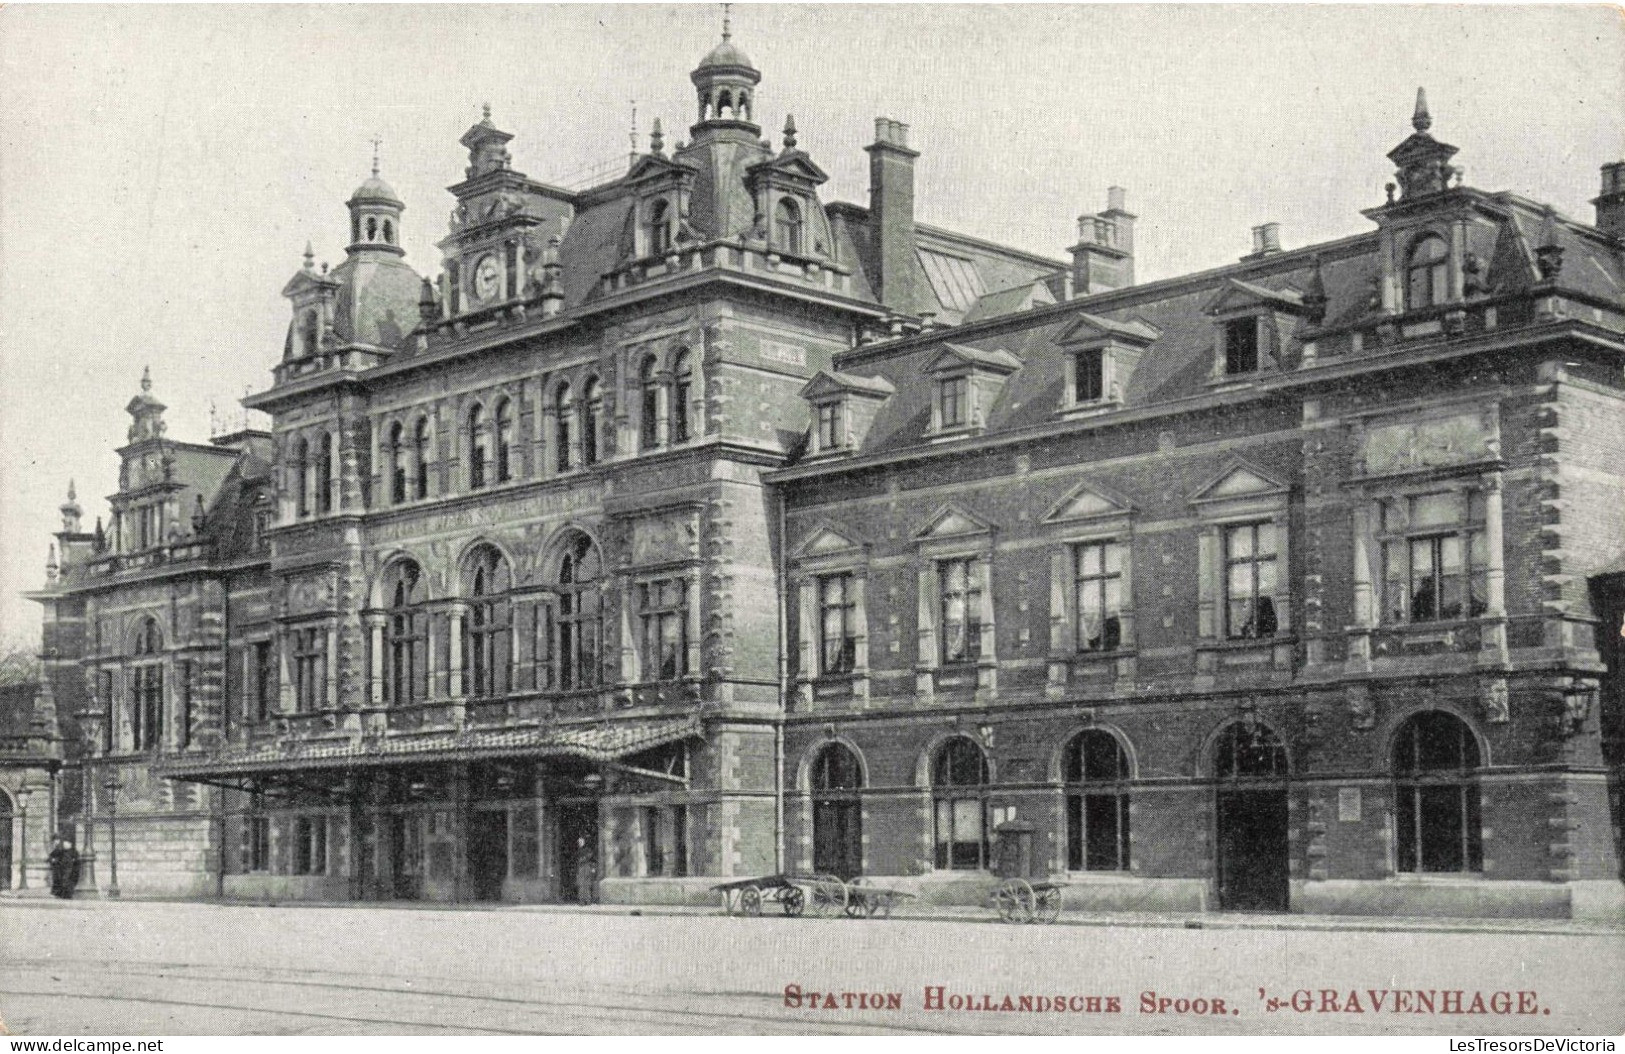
{"x":826,"y":541}
{"x":1100,"y":355}
{"x":951,"y":521}
{"x":1238,"y":481}
{"x":1088,"y":502}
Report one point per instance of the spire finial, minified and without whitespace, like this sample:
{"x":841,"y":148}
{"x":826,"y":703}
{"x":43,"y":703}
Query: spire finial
{"x":657,"y":138}
{"x":146,"y":378}
{"x":727,"y":21}
{"x":1421,"y":120}
{"x":377,"y":141}
{"x":72,"y":495}
{"x":487,"y":109}
{"x":789,"y":131}
{"x":310,"y":257}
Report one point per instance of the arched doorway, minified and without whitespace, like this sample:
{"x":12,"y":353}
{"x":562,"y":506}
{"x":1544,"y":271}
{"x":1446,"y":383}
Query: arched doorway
{"x":1253,"y":854}
{"x":837,"y":813}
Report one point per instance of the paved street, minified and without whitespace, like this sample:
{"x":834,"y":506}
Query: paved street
{"x":101,"y":968}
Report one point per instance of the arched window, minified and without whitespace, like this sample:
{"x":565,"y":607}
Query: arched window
{"x":1095,"y":770}
{"x":659,"y":227}
{"x":301,"y":476}
{"x":397,"y":464}
{"x":420,"y":446}
{"x":325,"y":482}
{"x":682,"y":388}
{"x":787,"y":227}
{"x":725,"y":103}
{"x":564,"y":408}
{"x":1426,"y":273}
{"x":405,"y":633}
{"x":504,"y":437}
{"x":372,"y":228}
{"x":309,"y":333}
{"x":147,"y":687}
{"x":580,"y":622}
{"x":649,"y":403}
{"x":476,"y":447}
{"x":837,"y":812}
{"x":592,"y":411}
{"x":959,"y":789}
{"x":1248,"y":750}
{"x":1436,"y":808}
{"x":486,"y":582}
{"x":389,"y":232}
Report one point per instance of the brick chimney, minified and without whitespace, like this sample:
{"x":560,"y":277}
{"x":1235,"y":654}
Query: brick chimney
{"x":1611,"y":202}
{"x":1266,"y":241}
{"x":1104,"y":256}
{"x":890,"y":263}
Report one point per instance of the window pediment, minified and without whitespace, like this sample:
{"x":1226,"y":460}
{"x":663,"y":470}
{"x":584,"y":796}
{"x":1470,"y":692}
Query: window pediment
{"x":1088,"y":502}
{"x":1237,"y":297}
{"x":827,"y":543}
{"x":1092,"y":329}
{"x":827,"y":384}
{"x":951,"y":358}
{"x":1239,"y":481}
{"x":949,"y":523}
{"x":794,"y":166}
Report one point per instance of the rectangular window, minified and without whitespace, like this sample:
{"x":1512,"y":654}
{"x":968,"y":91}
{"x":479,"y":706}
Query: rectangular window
{"x":1089,"y":376}
{"x":663,"y":613}
{"x":837,"y":625}
{"x":262,"y":681}
{"x":830,"y":433}
{"x":1099,"y":581}
{"x":147,"y":707}
{"x":1241,"y":346}
{"x":524,"y":842}
{"x":654,"y":854}
{"x":257,"y":843}
{"x":309,"y":669}
{"x":961,"y":843}
{"x":952,"y":398}
{"x":1438,"y":575}
{"x":310,"y":845}
{"x":1249,"y":581}
{"x":961,"y":598}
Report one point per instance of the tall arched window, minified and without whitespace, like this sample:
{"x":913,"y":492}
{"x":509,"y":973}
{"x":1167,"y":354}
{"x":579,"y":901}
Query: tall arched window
{"x":564,"y":409}
{"x":420,"y":447}
{"x":147,"y":687}
{"x":486,"y":582}
{"x":1437,"y":821}
{"x":1252,"y":828}
{"x":325,"y":481}
{"x":405,"y":636}
{"x":787,"y":227}
{"x":504,"y":438}
{"x":682,"y":390}
{"x":476,"y":447}
{"x":1095,"y":770}
{"x":309,"y":333}
{"x":1427,"y":273}
{"x":659,"y":227}
{"x":959,"y":778}
{"x":837,"y":812}
{"x":389,"y":232}
{"x":301,"y":476}
{"x":397,"y":463}
{"x":649,"y":403}
{"x":580,"y":622}
{"x":592,"y":412}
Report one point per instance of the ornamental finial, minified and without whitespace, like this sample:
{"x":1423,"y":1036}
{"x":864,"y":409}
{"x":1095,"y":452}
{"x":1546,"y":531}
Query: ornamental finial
{"x":1421,"y":120}
{"x":727,"y":21}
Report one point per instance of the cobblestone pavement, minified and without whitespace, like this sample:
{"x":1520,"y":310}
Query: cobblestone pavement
{"x":157,"y":968}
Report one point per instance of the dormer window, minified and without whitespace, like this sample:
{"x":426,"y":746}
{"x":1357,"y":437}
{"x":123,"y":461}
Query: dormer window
{"x":1100,"y":357}
{"x":953,"y":396}
{"x":787,"y":227}
{"x":830,"y":433}
{"x":1427,"y":273}
{"x":1088,"y":376}
{"x":659,"y":228}
{"x":309,"y":331}
{"x":1241,"y":346}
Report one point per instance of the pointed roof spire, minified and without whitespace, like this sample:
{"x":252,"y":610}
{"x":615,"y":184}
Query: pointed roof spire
{"x":310,"y":257}
{"x":72,"y":496}
{"x":1421,"y":120}
{"x":657,"y":138}
{"x":146,"y":378}
{"x":487,"y":110}
{"x":632,"y":132}
{"x":727,"y":21}
{"x":789,"y":131}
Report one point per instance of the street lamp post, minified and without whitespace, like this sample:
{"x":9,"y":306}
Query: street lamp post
{"x":112,"y":785}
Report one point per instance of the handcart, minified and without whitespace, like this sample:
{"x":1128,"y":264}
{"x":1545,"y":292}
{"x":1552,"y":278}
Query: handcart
{"x":824,"y":894}
{"x":865,"y":899}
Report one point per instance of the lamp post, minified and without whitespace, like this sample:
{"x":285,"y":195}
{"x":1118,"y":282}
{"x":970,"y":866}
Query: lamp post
{"x":112,"y":785}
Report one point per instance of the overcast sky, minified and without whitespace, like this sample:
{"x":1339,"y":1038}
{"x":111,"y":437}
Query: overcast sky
{"x":161,"y":168}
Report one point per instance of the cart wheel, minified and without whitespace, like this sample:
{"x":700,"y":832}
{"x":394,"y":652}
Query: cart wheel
{"x":1049,"y":905}
{"x":881,"y":905}
{"x":750,"y":901}
{"x":1014,"y":900}
{"x":858,"y":904}
{"x":828,"y":895}
{"x":793,"y":901}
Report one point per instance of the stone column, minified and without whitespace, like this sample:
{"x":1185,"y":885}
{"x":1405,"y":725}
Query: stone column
{"x":1495,"y":601}
{"x":374,"y":622}
{"x":455,"y":613}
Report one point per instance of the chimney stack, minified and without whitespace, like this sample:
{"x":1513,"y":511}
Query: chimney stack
{"x":890,"y":260}
{"x":1611,"y":202}
{"x":1266,"y":241}
{"x":1104,"y":256}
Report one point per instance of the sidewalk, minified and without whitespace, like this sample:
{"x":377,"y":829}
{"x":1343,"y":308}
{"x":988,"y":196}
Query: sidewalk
{"x":926,"y":913}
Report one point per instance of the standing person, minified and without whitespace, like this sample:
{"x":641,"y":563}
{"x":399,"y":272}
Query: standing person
{"x":586,"y":873}
{"x":64,"y":863}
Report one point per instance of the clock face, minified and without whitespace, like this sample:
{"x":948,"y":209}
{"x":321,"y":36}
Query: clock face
{"x":487,"y":278}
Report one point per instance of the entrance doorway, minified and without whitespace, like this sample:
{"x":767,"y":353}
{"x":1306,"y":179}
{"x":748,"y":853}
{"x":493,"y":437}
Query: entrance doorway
{"x":1253,"y":856}
{"x":406,"y":855}
{"x":837,"y":813}
{"x":487,"y":853}
{"x":578,"y":853}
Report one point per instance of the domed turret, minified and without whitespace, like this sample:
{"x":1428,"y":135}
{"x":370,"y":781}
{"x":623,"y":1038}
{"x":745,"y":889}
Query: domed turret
{"x":726,"y":83}
{"x":375,"y":215}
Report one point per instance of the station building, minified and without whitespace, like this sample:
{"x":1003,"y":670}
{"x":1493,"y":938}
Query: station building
{"x":689,"y":527}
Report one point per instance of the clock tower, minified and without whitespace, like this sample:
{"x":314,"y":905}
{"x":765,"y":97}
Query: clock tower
{"x":499,"y":229}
